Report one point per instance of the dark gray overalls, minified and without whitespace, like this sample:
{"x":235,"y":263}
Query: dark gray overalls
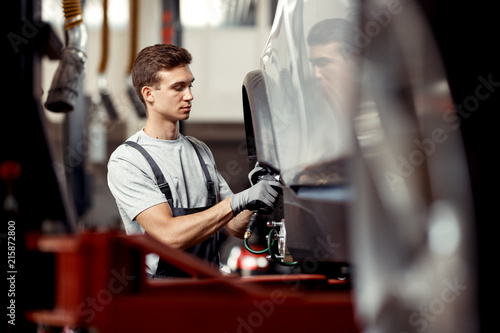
{"x":208,"y":249}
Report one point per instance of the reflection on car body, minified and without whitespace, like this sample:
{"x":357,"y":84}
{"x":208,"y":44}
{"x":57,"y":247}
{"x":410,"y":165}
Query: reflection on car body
{"x":345,"y":106}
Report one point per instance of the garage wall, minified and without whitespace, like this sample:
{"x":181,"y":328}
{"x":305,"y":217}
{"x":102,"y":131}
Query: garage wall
{"x":221,"y":59}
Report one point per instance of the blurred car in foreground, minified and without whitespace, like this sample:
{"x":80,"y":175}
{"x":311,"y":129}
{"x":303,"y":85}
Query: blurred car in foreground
{"x":351,"y":109}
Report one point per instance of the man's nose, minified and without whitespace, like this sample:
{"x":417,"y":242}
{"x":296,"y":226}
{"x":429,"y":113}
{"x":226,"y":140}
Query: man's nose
{"x":188,"y":96}
{"x":317,"y":72}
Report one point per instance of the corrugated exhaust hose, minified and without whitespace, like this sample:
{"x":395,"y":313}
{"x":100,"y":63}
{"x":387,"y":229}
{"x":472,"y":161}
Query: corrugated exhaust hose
{"x":69,"y":75}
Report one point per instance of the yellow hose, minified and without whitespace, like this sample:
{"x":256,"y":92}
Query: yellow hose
{"x":104,"y":38}
{"x":72,"y":13}
{"x":134,"y":14}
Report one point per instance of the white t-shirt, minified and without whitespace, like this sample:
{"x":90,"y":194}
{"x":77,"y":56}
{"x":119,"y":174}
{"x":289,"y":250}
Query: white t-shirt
{"x":133,"y":184}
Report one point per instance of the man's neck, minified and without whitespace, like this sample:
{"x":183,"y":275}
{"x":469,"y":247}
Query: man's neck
{"x":163,"y":130}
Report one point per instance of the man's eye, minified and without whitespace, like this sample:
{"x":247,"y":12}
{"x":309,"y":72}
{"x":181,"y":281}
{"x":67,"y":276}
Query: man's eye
{"x":320,"y":62}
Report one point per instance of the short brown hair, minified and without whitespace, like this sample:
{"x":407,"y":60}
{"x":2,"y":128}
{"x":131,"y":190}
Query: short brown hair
{"x":153,"y":59}
{"x":336,"y":30}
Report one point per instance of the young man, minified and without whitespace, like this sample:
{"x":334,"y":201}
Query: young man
{"x":167,"y":184}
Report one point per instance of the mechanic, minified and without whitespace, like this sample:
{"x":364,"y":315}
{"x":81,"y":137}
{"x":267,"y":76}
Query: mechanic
{"x":166,"y":184}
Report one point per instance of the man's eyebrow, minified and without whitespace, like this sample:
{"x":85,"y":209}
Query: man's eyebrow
{"x":320,"y":59}
{"x":182,"y":82}
{"x":316,"y":58}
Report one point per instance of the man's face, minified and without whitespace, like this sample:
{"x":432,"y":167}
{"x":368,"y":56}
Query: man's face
{"x":333,"y":71}
{"x":173,"y":98}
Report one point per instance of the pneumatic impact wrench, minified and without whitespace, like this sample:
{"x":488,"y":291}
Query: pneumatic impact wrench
{"x":264,"y":174}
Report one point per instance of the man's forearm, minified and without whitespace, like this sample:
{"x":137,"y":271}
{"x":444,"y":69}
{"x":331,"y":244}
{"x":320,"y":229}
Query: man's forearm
{"x":237,"y":226}
{"x":185,"y":231}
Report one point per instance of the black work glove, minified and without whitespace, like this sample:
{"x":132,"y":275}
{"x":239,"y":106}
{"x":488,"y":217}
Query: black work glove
{"x":260,"y":196}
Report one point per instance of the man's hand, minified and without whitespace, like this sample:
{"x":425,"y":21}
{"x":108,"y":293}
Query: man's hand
{"x":256,"y":172}
{"x":261,"y":195}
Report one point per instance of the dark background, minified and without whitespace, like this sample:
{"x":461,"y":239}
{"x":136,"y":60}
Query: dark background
{"x":467,"y":35}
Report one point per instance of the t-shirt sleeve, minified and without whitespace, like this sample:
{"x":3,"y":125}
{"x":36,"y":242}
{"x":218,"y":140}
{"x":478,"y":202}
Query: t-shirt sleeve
{"x":224,"y":189}
{"x":132,"y":185}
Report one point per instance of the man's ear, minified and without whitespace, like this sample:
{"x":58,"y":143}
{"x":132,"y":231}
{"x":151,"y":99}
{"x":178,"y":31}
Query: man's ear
{"x":147,"y":94}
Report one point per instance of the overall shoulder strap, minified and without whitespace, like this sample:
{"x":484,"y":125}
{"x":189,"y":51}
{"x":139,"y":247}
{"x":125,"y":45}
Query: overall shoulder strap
{"x":160,"y":178}
{"x":210,"y":183}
